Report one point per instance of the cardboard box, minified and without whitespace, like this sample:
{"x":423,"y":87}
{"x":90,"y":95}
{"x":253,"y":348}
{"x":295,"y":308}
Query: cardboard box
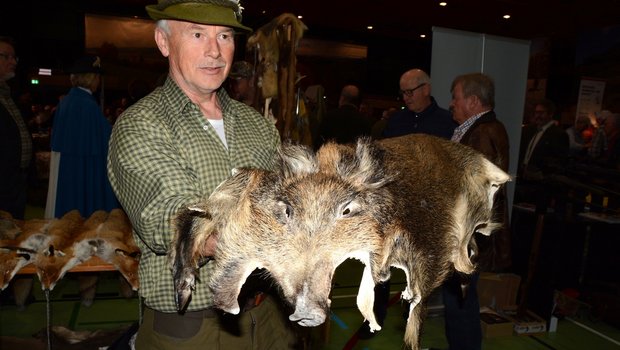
{"x":565,"y":305}
{"x":498,"y":291}
{"x":528,"y":324}
{"x":495,"y":325}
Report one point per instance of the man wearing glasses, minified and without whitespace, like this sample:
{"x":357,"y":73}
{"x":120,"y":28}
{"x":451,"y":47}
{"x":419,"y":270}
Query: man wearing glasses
{"x":15,"y":139}
{"x":422,"y":114}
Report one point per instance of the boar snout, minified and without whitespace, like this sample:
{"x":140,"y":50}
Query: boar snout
{"x":308,"y":318}
{"x":308,"y":313}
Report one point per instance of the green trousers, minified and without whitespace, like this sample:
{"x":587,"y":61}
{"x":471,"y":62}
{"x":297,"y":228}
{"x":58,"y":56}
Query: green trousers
{"x":263,"y":327}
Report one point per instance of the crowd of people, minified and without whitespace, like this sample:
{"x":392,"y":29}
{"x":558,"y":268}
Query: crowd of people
{"x":170,"y":148}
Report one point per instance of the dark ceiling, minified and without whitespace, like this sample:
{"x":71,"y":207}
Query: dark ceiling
{"x":348,"y":19}
{"x":50,"y":33}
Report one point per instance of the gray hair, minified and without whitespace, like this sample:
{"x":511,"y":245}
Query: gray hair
{"x":84,"y":80}
{"x":163,"y":25}
{"x":479,"y":85}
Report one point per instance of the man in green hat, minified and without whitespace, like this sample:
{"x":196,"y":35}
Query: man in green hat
{"x":171,"y":149}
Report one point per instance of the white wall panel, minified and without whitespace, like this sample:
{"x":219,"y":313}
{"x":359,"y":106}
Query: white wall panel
{"x":506,"y":60}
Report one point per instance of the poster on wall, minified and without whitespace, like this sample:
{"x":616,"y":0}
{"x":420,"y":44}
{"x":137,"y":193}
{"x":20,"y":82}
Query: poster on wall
{"x":590,"y":100}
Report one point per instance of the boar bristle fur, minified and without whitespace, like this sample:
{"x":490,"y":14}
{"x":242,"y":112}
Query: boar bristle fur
{"x":411,"y":202}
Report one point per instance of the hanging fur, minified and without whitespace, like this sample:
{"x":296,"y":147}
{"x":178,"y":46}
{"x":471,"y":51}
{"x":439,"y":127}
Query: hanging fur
{"x":276,"y":43}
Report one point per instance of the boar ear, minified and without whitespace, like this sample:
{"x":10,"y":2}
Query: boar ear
{"x":297,"y":160}
{"x":228,"y":192}
{"x":369,"y":170}
{"x":198,"y":209}
{"x":190,"y":232}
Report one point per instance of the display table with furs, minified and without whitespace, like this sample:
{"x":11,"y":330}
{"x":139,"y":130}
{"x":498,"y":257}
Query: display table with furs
{"x":50,"y":248}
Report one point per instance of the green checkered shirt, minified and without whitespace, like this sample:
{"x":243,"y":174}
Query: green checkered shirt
{"x":164,"y":155}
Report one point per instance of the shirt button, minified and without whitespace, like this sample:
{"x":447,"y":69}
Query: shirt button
{"x":205,"y":127}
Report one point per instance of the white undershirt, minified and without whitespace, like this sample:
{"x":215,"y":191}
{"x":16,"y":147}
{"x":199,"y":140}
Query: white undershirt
{"x":218,"y":125}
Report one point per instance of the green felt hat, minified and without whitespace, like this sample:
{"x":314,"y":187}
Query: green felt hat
{"x":214,"y":12}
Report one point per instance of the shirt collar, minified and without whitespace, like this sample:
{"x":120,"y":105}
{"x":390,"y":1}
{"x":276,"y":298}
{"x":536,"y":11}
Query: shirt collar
{"x":85,"y":89}
{"x":462,"y":129}
{"x":547,"y":126}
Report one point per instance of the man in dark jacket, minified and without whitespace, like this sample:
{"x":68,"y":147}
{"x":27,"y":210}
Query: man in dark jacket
{"x":543,"y":152}
{"x":422,"y":114}
{"x":473,"y":100}
{"x":346,"y":123}
{"x":544,"y":144}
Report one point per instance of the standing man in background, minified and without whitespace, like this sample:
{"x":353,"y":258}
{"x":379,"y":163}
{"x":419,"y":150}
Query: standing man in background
{"x":544,"y":145}
{"x":172,"y":148}
{"x":543,"y":151}
{"x":473,"y":100}
{"x":15,"y":139}
{"x":422,"y":114}
{"x":241,"y":82}
{"x":345,"y":123}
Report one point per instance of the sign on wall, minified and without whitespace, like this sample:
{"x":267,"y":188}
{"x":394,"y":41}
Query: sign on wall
{"x":590,"y":99}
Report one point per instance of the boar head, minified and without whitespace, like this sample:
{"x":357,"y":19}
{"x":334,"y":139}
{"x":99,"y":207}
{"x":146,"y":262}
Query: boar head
{"x":298,"y":223}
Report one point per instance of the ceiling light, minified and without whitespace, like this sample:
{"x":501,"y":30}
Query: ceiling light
{"x":422,"y":35}
{"x":300,"y":16}
{"x":369,"y":27}
{"x":443,"y":3}
{"x":506,"y":16}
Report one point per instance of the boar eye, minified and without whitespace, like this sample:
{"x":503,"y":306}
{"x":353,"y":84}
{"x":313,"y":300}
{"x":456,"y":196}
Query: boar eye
{"x":285,"y":210}
{"x":350,"y":209}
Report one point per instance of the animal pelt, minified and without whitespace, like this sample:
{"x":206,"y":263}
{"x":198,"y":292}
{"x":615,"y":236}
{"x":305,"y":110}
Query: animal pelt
{"x":21,"y":251}
{"x":83,"y":248}
{"x":116,"y":246}
{"x":9,"y":229}
{"x":50,"y":262}
{"x":276,"y":43}
{"x":411,"y":202}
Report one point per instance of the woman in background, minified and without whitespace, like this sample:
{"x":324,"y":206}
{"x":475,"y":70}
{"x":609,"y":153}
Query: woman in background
{"x":79,"y":144}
